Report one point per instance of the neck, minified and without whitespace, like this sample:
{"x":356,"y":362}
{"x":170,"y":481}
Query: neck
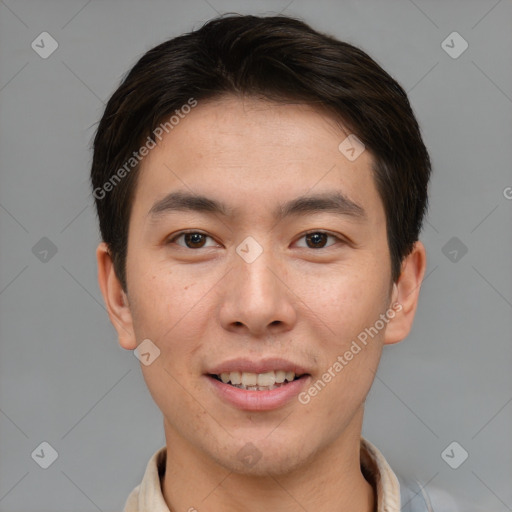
{"x":331,"y":480}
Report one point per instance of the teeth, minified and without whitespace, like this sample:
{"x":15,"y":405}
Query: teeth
{"x":280,"y":376}
{"x":257,"y":381}
{"x":249,"y":379}
{"x":266,"y":379}
{"x":235,"y":378}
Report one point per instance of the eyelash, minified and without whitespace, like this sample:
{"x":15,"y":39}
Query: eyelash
{"x":181,"y":233}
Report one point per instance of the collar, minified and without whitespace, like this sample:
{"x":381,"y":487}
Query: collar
{"x":148,"y":495}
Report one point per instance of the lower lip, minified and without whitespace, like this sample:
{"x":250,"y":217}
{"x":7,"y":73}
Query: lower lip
{"x":258,"y":400}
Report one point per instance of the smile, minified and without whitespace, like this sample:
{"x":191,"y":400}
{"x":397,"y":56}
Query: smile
{"x":253,"y":397}
{"x":257,"y":381}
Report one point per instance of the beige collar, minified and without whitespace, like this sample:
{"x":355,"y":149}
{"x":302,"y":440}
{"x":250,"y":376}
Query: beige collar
{"x":148,"y":495}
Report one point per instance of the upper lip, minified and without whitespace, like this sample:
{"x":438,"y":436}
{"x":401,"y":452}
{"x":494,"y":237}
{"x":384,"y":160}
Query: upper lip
{"x":257,"y":366}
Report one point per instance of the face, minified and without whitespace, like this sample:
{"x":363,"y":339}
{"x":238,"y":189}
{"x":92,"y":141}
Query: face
{"x":280,"y":269}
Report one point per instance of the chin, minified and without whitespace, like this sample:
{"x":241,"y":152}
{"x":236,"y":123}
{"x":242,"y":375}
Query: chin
{"x":255,"y":460}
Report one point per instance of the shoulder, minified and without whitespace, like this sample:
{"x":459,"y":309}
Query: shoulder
{"x":148,"y":494}
{"x":413,"y":496}
{"x":132,"y":502}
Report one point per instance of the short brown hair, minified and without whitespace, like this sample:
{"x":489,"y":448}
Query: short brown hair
{"x":276,"y":58}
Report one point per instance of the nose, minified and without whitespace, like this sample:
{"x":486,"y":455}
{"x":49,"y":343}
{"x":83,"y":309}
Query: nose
{"x":256,"y":299}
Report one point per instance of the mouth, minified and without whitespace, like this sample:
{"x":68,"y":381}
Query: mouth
{"x":257,"y":384}
{"x":267,"y":381}
{"x":258,"y":392}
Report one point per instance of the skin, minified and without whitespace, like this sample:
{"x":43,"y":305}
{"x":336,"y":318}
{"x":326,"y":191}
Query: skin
{"x":202,"y":306}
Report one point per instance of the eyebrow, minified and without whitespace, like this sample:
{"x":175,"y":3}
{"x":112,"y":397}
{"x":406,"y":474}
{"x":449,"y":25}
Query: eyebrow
{"x":334,"y":202}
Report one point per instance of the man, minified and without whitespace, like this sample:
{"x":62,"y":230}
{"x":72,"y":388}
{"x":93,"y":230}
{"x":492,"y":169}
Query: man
{"x":260,"y":189}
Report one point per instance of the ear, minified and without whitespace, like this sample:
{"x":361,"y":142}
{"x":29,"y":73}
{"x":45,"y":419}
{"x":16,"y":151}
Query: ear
{"x":404,"y":297}
{"x":115,"y":298}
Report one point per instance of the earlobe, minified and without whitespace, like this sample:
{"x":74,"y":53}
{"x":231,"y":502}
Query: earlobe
{"x":405,"y":294}
{"x":115,"y":298}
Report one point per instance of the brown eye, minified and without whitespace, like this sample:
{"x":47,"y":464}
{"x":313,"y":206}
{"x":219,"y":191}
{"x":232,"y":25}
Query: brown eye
{"x":194,"y":240}
{"x":191,"y":240}
{"x":316,"y":240}
{"x":319,"y":240}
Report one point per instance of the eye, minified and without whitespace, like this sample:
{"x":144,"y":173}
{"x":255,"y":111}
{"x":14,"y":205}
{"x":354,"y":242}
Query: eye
{"x":318,"y":239}
{"x":192,"y":239}
{"x":197,"y":240}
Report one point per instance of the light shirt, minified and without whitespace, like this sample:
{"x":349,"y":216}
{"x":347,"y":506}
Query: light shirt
{"x":148,"y":497}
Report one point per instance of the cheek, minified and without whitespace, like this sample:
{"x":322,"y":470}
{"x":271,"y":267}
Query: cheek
{"x":346,"y":300}
{"x":350,"y":351}
{"x":172,"y":310}
{"x":166,"y":300}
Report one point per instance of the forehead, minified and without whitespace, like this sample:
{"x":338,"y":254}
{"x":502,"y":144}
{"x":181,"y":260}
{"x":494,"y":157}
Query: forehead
{"x":251,"y":151}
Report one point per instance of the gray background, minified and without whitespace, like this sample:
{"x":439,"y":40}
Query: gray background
{"x":64,"y":379}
